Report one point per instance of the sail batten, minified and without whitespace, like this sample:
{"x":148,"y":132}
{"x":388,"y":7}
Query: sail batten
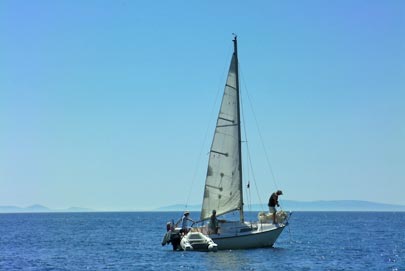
{"x":223,"y":183}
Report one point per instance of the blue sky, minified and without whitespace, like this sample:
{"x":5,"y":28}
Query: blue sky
{"x":111,"y":105}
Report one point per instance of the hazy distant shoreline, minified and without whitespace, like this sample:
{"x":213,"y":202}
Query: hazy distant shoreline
{"x":290,"y":205}
{"x":41,"y":209}
{"x":324,"y":205}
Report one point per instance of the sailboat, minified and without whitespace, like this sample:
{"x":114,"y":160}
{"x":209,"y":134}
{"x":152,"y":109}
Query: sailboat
{"x":223,"y":185}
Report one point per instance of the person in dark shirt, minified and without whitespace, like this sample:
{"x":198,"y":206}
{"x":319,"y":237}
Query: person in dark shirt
{"x":273,"y":202}
{"x":213,"y":225}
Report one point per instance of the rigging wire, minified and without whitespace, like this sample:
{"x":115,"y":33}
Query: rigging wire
{"x":249,"y":158}
{"x":248,"y":191}
{"x":249,"y":168}
{"x":259,"y":132}
{"x":261,"y":140}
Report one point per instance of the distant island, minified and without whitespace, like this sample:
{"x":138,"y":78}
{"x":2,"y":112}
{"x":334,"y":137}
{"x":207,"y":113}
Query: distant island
{"x":288,"y":205}
{"x":321,"y":205}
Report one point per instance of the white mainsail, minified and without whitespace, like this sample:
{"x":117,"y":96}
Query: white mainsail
{"x":223,"y":184}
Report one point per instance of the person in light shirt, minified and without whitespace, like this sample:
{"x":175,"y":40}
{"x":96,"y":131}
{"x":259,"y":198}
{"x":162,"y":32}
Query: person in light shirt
{"x":184,"y":222}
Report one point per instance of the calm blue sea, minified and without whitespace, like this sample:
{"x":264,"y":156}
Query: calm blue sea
{"x":132,"y":241}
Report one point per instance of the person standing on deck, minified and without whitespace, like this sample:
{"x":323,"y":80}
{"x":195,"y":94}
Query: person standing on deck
{"x":273,"y":202}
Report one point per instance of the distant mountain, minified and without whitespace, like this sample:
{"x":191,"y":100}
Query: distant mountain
{"x":322,"y":205}
{"x":40,"y":209}
{"x":340,"y":205}
{"x":288,"y":205}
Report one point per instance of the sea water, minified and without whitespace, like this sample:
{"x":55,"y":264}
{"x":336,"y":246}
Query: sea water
{"x":132,"y":241}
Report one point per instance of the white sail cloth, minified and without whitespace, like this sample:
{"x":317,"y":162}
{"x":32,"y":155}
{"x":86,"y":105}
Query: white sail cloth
{"x":223,"y":182}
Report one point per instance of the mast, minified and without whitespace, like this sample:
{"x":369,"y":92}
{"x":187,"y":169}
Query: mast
{"x":223,"y":183}
{"x":235,"y":52}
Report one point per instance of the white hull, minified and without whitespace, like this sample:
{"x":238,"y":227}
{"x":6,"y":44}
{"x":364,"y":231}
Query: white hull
{"x":237,"y":235}
{"x":252,"y":240}
{"x":264,"y":236}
